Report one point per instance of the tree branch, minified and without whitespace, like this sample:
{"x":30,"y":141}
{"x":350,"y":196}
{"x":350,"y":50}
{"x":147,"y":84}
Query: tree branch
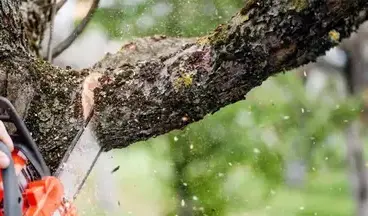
{"x":356,"y":82}
{"x":49,"y":44}
{"x":77,"y":31}
{"x":60,"y":4}
{"x":149,"y":98}
{"x":159,"y":88}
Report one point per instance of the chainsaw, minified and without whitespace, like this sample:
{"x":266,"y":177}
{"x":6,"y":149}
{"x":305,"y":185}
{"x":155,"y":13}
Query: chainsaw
{"x":27,"y":187}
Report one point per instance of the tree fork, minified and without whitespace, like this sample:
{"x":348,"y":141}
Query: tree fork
{"x":145,"y":93}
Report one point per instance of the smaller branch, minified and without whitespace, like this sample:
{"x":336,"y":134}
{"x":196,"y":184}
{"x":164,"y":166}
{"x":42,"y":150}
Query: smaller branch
{"x":49,"y":46}
{"x":354,"y":73}
{"x":358,"y":172}
{"x":77,"y":31}
{"x":60,"y":4}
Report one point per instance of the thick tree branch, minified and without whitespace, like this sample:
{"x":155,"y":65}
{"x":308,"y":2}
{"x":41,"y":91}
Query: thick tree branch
{"x":149,"y":98}
{"x":167,"y":83}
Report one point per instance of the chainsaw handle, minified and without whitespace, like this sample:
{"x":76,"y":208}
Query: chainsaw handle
{"x":12,"y":197}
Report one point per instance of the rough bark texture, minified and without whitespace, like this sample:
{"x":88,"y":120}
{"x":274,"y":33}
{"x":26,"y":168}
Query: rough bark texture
{"x":36,"y":16}
{"x":170,"y":91}
{"x":179,"y":81}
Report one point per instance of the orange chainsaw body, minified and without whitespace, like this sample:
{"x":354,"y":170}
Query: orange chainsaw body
{"x":27,"y":187}
{"x":44,"y":197}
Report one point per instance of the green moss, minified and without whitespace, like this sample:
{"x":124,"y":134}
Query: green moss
{"x":203,"y":40}
{"x":248,"y":5}
{"x":185,"y":80}
{"x":298,"y":5}
{"x":240,"y":19}
{"x":40,"y":64}
{"x":219,"y":35}
{"x":334,"y":36}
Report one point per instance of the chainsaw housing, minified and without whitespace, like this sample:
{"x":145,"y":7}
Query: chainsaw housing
{"x":41,"y":193}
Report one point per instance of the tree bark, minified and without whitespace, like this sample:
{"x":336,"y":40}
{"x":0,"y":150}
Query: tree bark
{"x":142,"y":93}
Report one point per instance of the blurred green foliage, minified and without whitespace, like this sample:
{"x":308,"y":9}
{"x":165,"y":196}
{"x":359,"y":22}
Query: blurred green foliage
{"x":234,"y":161}
{"x":189,"y":18}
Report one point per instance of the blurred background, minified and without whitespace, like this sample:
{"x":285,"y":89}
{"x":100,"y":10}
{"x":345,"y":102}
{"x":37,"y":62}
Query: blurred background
{"x":290,"y":149}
